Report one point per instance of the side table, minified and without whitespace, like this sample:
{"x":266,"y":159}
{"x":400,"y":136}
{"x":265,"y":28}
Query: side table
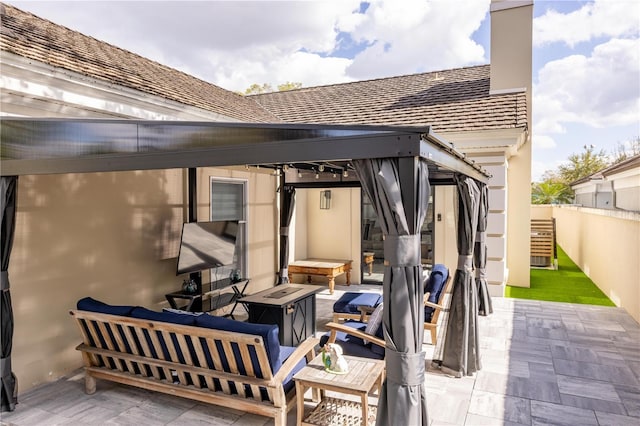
{"x":190,"y":297}
{"x":364,"y":375}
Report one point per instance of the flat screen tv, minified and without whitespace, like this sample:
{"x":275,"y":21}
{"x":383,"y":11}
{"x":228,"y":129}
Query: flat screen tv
{"x":206,"y":245}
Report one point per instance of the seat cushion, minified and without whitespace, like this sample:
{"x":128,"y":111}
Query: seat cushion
{"x":268,"y":332}
{"x":352,"y":345}
{"x":348,"y":303}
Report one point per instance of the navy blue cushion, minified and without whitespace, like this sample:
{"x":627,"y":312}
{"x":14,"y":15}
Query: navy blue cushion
{"x":348,"y":303}
{"x":148,"y":314}
{"x":285,"y":353}
{"x":268,"y":332}
{"x":378,"y":350}
{"x":352,"y":345}
{"x":170,"y":317}
{"x":92,"y":305}
{"x":434,"y":286}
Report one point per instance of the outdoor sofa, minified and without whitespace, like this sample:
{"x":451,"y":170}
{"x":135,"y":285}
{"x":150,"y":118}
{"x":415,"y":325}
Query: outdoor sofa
{"x":201,"y":357}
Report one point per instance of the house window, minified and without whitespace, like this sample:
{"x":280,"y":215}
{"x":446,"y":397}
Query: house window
{"x":229,"y":202}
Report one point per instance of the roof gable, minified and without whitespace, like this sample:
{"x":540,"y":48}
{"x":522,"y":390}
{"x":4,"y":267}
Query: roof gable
{"x":29,"y":36}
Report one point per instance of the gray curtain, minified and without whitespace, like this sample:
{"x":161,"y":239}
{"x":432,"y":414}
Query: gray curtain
{"x":399,"y":192}
{"x":480,"y":254}
{"x":286,"y":213}
{"x":460,"y":355}
{"x":9,"y":389}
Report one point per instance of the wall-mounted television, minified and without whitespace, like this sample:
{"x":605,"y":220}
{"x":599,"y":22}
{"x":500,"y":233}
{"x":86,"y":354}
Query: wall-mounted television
{"x":206,"y":245}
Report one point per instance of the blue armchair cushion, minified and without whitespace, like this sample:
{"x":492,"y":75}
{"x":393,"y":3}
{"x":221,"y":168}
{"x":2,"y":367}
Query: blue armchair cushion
{"x":268,"y":332}
{"x":285,"y":353}
{"x":352,"y":345}
{"x":434,"y":286}
{"x":348,"y":303}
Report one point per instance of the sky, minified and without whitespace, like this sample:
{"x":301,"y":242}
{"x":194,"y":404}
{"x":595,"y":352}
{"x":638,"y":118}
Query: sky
{"x":586,"y":54}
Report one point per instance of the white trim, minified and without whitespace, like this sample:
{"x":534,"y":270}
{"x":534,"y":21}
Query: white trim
{"x":489,"y":142}
{"x":26,"y":82}
{"x":509,"y":4}
{"x":508,"y":91}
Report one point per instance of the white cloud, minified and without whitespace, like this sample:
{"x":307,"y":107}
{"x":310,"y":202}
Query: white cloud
{"x":237,"y":43}
{"x":601,"y":18}
{"x":543,"y":142}
{"x":600,"y":90}
{"x":413,"y":36}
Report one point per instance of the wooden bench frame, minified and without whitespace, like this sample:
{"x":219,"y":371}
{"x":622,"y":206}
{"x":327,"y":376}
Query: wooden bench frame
{"x":136,"y":366}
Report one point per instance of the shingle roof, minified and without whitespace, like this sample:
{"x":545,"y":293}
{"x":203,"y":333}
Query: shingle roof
{"x":450,"y":101}
{"x":29,"y":36}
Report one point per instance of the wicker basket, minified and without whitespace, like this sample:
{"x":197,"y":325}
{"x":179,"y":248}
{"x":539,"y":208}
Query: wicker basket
{"x":339,"y":412}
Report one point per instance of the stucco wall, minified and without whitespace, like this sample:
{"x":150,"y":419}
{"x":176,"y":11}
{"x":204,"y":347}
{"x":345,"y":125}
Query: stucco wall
{"x":332,"y":233}
{"x":112,"y":236}
{"x":605,"y":245}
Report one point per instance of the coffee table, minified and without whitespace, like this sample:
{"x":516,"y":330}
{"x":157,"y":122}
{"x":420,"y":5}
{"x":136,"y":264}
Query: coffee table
{"x":329,"y":268}
{"x":364,"y":375}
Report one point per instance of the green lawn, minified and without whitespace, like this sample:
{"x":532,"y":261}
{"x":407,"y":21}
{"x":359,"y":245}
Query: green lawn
{"x":567,"y":284}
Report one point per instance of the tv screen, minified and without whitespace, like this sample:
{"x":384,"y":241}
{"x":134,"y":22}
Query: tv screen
{"x":206,"y":245}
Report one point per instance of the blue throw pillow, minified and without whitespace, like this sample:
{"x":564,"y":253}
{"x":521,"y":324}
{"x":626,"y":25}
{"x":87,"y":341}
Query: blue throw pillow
{"x":92,"y":305}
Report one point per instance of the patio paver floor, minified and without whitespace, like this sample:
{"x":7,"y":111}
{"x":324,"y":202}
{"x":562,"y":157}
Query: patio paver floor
{"x":544,"y":363}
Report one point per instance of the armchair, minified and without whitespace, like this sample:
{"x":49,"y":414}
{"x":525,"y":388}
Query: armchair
{"x":359,"y":337}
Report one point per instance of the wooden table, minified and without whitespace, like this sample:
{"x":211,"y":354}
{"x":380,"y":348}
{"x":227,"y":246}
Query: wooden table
{"x":329,"y":268}
{"x":364,"y":375}
{"x":368,"y":260}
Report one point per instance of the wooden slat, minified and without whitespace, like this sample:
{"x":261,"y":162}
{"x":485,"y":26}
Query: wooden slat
{"x":143,"y":370}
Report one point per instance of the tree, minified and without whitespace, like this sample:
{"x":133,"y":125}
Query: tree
{"x":288,"y":86}
{"x":583,"y":164}
{"x":551,"y":191}
{"x":256,"y":89}
{"x":555,"y":186}
{"x":626,"y":150}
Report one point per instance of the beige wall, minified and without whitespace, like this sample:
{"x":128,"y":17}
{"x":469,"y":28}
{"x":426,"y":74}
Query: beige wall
{"x":518,"y":218}
{"x":112,"y":236}
{"x":511,"y":68}
{"x":446,"y":250}
{"x":332,"y":233}
{"x":605,"y":245}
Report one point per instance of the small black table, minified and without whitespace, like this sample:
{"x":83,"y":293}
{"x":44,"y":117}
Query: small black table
{"x":191,"y":297}
{"x":291,"y":306}
{"x":215,"y":298}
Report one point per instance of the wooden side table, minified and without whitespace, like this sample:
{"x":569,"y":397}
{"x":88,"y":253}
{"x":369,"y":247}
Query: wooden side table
{"x":364,"y":375}
{"x":368,"y":260}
